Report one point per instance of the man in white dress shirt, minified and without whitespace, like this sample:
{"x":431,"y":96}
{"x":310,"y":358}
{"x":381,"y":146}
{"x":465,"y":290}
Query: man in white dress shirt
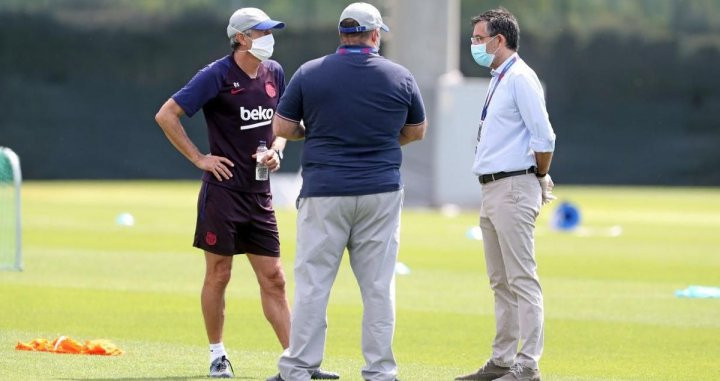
{"x":512,"y":160}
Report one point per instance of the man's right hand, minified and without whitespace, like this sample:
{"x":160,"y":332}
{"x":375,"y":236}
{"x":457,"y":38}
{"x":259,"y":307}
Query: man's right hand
{"x":217,"y":165}
{"x":547,"y":185}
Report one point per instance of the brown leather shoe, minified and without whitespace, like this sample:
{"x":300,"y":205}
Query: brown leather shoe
{"x":487,"y":372}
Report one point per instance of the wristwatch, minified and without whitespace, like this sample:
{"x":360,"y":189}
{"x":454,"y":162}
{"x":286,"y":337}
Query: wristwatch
{"x":541,"y":174}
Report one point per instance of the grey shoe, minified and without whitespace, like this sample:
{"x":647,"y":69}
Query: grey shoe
{"x":487,"y":372}
{"x":318,"y":374}
{"x":520,"y":372}
{"x":221,"y":368}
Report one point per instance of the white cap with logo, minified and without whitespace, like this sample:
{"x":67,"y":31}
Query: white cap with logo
{"x":366,"y":15}
{"x":251,"y":18}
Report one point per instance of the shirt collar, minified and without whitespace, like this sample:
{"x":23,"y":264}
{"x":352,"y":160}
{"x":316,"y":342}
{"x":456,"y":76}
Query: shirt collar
{"x":366,"y":49}
{"x":496,"y":72}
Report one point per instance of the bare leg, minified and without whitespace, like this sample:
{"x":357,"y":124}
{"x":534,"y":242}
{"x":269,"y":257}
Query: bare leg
{"x":271,"y":278}
{"x":212,"y":299}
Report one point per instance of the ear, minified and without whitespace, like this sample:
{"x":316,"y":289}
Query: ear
{"x":502,"y":41}
{"x":240,"y":39}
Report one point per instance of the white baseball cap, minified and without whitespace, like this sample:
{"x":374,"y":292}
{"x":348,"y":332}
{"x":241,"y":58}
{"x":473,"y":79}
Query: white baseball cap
{"x":251,"y":18}
{"x":366,"y":15}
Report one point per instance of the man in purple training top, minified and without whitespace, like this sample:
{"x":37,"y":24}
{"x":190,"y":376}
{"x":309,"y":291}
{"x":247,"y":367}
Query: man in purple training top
{"x":238,"y":95}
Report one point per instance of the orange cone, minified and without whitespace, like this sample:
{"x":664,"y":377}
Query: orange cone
{"x":64,"y":344}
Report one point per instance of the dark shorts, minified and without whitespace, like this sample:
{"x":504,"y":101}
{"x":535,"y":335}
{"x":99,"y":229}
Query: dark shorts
{"x":231,"y":222}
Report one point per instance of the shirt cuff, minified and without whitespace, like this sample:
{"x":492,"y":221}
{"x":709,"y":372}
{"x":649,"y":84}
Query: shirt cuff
{"x":287,"y":118}
{"x":538,"y":145}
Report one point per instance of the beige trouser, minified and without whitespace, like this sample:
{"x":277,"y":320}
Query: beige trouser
{"x":507,"y":219}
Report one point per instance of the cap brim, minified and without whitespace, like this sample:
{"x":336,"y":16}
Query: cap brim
{"x":358,"y":29}
{"x":269,"y":24}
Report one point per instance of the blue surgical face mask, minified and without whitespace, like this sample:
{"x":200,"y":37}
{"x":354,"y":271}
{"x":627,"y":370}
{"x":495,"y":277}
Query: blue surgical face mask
{"x":480,"y":54}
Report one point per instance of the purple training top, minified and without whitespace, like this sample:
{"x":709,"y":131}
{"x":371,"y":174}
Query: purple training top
{"x":238,"y":111}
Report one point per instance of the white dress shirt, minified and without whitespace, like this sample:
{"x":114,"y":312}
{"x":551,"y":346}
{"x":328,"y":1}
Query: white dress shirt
{"x":516,"y":125}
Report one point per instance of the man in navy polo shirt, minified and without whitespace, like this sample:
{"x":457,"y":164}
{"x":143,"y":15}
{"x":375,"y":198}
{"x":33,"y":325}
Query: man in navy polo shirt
{"x":358,"y":108}
{"x":238,"y":95}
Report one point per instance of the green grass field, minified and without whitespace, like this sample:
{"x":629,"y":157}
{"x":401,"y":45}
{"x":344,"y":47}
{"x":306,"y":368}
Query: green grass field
{"x":611,"y":313}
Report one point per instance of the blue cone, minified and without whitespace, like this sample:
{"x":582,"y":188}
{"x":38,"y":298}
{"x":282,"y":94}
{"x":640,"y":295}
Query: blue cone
{"x":566,"y":217}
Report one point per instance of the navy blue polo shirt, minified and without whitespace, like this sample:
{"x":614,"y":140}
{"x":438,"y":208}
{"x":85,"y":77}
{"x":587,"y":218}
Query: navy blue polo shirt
{"x":353,"y":104}
{"x":238,"y":111}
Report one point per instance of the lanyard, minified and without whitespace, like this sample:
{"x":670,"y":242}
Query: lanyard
{"x":489,"y":97}
{"x":356,"y":50}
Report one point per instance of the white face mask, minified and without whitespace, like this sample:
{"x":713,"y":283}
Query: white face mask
{"x":262,"y":47}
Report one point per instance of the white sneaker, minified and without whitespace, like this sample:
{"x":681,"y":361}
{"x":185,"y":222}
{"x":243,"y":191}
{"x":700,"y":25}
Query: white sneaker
{"x":221,"y":368}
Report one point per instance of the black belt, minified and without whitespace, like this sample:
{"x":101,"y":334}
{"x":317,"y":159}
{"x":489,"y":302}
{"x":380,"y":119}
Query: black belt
{"x":484,"y":179}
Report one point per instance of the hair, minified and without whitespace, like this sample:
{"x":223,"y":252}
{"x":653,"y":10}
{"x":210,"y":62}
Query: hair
{"x":354,"y":37}
{"x":501,"y":21}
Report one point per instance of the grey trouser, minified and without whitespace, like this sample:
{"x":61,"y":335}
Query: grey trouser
{"x":369,"y":227}
{"x":507,"y":219}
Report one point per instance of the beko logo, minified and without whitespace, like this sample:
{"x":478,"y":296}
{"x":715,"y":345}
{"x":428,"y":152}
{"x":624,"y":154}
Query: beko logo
{"x":256,"y":114}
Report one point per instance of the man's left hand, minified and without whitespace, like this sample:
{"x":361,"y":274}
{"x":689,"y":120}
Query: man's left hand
{"x":547,"y":185}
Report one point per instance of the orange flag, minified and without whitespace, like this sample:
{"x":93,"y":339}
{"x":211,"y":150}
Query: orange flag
{"x":64,"y":344}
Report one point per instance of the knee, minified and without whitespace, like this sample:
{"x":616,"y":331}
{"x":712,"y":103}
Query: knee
{"x":273,"y":281}
{"x":218,"y":277}
{"x":377,"y":292}
{"x":525,"y":285}
{"x":498,"y":281}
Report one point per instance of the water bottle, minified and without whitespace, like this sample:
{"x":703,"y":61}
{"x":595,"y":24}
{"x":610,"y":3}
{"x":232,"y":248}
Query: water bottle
{"x":261,"y":170}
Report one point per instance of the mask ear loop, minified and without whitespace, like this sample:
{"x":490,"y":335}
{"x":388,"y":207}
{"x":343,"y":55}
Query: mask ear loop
{"x":496,"y":49}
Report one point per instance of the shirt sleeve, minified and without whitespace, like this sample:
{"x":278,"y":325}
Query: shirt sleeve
{"x":280,"y":80}
{"x":416,"y":112}
{"x":530,"y":100}
{"x":290,"y":106}
{"x":204,"y":86}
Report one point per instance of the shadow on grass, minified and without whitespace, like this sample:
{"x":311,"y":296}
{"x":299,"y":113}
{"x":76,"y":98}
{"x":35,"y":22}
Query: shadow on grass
{"x":169,"y":378}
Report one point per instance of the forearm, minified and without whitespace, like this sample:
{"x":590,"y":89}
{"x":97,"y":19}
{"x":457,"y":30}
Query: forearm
{"x":173,"y":129}
{"x":298,"y":133}
{"x":543,"y":160}
{"x":405,"y":139}
{"x":288,"y":129}
{"x":279,"y":144}
{"x":412,"y":132}
{"x":177,"y":136}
